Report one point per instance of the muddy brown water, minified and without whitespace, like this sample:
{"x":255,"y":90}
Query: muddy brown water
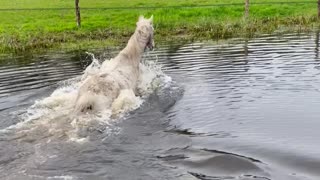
{"x":240,"y":109}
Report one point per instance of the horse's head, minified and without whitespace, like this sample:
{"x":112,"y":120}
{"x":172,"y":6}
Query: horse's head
{"x":145,"y":32}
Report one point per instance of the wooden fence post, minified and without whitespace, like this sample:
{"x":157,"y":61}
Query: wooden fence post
{"x":318,"y":8}
{"x":246,"y":9}
{"x":78,"y":18}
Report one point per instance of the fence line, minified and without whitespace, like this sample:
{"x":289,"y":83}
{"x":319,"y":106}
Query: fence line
{"x":157,"y":7}
{"x":245,"y":3}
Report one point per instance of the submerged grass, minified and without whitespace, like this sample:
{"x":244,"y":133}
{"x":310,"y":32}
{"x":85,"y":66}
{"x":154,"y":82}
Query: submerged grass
{"x":32,"y":30}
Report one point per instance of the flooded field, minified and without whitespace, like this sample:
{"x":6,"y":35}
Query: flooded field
{"x":240,"y":109}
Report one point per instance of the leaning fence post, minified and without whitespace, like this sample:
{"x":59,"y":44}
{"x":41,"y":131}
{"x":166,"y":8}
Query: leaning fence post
{"x":78,"y":18}
{"x":246,"y":9}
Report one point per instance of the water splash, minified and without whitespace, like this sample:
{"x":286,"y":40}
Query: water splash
{"x":54,"y":114}
{"x":93,"y":68}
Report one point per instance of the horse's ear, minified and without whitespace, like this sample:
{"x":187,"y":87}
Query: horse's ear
{"x":151,"y":19}
{"x":141,"y":17}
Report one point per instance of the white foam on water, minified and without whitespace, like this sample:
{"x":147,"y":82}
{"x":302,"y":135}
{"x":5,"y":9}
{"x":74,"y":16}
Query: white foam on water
{"x":54,"y":114}
{"x":61,"y":178}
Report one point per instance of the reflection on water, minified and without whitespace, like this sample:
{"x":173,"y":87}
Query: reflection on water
{"x":261,"y":96}
{"x":249,"y":110}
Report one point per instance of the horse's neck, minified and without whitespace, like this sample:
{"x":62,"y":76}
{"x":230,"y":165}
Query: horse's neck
{"x":133,"y":49}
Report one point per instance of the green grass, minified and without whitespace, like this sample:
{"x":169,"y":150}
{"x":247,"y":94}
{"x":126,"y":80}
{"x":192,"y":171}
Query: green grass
{"x":42,"y":29}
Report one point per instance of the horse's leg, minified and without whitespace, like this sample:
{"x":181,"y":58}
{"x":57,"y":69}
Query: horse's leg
{"x":124,"y":102}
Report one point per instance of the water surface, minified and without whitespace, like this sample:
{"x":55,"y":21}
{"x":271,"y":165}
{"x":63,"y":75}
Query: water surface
{"x":240,"y":109}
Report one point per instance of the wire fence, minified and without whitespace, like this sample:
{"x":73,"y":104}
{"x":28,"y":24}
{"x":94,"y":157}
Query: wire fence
{"x":159,"y":7}
{"x":246,"y":5}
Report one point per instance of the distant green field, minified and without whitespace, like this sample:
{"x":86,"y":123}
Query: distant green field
{"x":39,"y":29}
{"x":122,"y":3}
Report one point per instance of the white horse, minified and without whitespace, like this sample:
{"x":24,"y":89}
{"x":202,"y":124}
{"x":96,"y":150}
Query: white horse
{"x":117,"y":78}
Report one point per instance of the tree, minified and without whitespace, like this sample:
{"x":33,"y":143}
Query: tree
{"x":78,"y":18}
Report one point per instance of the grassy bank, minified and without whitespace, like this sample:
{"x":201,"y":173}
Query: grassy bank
{"x":29,"y":30}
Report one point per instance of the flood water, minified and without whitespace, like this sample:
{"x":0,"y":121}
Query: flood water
{"x":239,"y":109}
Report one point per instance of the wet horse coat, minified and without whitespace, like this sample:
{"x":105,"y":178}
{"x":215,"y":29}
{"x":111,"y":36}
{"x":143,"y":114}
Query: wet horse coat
{"x":117,"y":80}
